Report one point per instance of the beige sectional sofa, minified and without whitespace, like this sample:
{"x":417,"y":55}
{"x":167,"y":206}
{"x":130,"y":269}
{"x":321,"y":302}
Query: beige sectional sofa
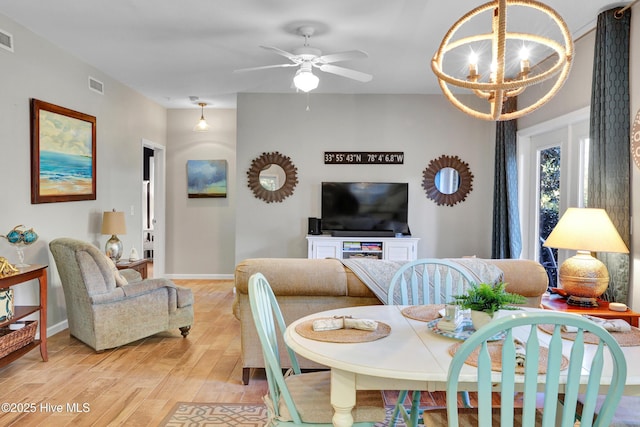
{"x":305,"y":286}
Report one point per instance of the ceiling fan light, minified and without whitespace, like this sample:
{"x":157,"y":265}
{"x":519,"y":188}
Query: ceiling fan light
{"x":305,"y":80}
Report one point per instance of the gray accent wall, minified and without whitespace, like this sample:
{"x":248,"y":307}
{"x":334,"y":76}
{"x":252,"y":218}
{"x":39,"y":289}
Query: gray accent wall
{"x":423,"y":127}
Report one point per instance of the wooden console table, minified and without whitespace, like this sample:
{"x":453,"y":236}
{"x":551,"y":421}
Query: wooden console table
{"x":558,"y":303}
{"x":141,"y":266}
{"x":21,"y":311}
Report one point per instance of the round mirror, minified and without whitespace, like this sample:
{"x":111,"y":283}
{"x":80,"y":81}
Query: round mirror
{"x":447,"y":180}
{"x":272,"y":177}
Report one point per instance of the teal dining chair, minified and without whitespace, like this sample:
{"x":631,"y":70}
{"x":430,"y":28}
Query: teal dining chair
{"x":563,"y":374}
{"x":419,"y":282}
{"x":295,"y":398}
{"x":428,"y":281}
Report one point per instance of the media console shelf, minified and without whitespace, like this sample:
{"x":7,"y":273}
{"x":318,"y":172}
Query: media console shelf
{"x":389,"y":248}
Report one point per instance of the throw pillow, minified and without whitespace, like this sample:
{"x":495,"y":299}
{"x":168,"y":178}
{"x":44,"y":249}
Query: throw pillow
{"x":120,"y":279}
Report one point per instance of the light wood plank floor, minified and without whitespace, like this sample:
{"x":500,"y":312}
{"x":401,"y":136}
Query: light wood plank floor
{"x":137,"y":384}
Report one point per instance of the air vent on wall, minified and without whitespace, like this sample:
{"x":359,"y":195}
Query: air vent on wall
{"x":96,"y":85}
{"x":6,"y":41}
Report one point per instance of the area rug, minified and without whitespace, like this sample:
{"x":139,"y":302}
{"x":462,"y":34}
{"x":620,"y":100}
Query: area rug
{"x":190,"y":414}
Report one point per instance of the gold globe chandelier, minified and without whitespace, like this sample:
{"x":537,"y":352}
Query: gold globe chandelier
{"x":505,"y":72}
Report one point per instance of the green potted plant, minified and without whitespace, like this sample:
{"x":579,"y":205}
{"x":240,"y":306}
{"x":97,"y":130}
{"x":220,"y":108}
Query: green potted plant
{"x":484,"y":299}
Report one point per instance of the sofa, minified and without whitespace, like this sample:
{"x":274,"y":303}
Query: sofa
{"x":304,"y":286}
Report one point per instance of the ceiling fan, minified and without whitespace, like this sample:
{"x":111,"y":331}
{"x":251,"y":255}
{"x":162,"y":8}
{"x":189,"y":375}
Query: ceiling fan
{"x":307,"y":58}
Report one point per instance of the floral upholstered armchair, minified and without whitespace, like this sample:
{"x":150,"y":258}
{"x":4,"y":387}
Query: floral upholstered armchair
{"x":107,"y":307}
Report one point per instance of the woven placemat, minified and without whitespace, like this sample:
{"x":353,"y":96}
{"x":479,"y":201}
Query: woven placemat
{"x":305,"y":329}
{"x":424,"y":313}
{"x":495,"y":351}
{"x":625,"y":339}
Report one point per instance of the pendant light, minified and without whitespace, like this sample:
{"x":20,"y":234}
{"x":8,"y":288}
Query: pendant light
{"x":202,"y":125}
{"x":504,"y":71}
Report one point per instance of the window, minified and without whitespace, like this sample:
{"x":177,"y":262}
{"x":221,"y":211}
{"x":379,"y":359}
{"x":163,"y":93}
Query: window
{"x":552,"y":161}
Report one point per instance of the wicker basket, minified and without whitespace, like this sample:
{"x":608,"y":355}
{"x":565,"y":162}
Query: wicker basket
{"x":12,"y":340}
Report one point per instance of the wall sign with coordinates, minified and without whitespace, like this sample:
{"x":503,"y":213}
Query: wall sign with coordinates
{"x":363,"y":157}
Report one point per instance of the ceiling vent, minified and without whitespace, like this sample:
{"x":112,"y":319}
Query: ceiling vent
{"x":96,"y":85}
{"x":6,"y":41}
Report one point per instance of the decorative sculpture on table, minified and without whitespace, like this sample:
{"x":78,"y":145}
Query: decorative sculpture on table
{"x":6,"y":268}
{"x":19,"y":237}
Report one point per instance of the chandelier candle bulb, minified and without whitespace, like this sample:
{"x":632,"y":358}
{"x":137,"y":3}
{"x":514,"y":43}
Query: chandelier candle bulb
{"x":524,"y":61}
{"x":473,"y":65}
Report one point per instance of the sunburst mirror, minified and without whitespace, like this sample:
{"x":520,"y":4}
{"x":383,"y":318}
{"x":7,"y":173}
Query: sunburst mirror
{"x":447,"y":180}
{"x":272,"y":177}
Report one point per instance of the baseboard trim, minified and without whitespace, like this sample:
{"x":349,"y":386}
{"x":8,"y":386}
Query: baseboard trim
{"x":199,"y":276}
{"x":58,"y":327}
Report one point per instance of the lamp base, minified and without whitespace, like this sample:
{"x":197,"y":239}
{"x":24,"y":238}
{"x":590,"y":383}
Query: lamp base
{"x":114,"y":248}
{"x":582,"y":301}
{"x":584,"y":278}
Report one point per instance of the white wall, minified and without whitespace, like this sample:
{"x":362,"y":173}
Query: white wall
{"x":200,"y":232}
{"x":40,"y":70}
{"x":423,"y":127}
{"x":574,"y":94}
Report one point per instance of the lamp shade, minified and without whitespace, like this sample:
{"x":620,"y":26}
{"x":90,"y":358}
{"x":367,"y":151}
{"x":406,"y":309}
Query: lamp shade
{"x":586,"y":229}
{"x":113,"y":223}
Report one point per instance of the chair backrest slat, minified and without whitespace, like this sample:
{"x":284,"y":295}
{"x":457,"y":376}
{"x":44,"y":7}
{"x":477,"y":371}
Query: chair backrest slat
{"x":555,"y":379}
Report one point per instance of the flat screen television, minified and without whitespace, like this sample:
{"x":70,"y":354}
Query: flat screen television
{"x":365,"y":208}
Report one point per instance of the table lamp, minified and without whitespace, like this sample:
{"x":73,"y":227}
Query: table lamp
{"x":585,"y":230}
{"x":113,"y":223}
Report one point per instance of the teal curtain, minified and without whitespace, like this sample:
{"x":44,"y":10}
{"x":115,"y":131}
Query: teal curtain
{"x":609,"y":153}
{"x":506,"y":238}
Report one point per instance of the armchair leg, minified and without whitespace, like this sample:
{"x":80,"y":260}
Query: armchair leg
{"x":185,"y":331}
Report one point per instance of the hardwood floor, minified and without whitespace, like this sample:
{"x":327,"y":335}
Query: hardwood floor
{"x":137,"y":384}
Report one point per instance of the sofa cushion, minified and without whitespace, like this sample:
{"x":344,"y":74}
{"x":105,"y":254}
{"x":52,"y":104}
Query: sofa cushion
{"x":525,"y":277}
{"x":295,"y":276}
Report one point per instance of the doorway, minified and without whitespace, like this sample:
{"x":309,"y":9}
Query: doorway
{"x":153,"y":205}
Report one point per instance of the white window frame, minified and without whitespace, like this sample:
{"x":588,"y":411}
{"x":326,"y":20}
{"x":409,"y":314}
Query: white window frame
{"x":571,"y":170}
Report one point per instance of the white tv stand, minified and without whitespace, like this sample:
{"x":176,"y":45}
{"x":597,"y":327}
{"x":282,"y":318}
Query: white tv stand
{"x":389,"y":248}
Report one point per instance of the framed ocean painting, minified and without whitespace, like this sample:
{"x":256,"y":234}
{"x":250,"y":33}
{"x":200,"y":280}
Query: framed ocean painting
{"x":206,"y":178}
{"x":63,"y":154}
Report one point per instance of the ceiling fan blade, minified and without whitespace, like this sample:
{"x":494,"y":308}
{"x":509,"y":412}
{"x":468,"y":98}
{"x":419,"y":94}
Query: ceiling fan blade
{"x":286,"y":54}
{"x":343,"y":56}
{"x":264,"y":67}
{"x":345,"y":72}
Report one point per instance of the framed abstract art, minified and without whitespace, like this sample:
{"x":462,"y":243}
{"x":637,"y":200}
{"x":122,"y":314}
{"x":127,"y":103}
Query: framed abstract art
{"x":206,"y":178}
